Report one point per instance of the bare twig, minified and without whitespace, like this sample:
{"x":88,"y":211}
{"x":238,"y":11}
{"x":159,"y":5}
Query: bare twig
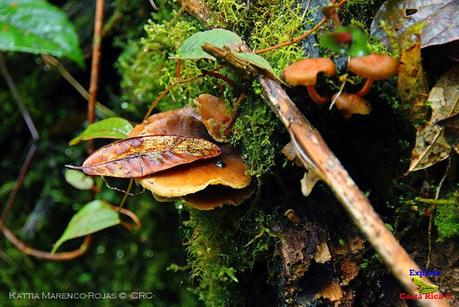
{"x":302,"y":36}
{"x":22,"y":174}
{"x":14,"y":91}
{"x":166,"y":91}
{"x":27,"y":250}
{"x":33,"y":131}
{"x":95,"y":65}
{"x":432,"y":213}
{"x":75,"y":84}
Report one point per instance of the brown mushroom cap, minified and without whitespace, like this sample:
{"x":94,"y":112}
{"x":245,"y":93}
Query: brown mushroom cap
{"x":215,"y":116}
{"x":374,"y":66}
{"x":217,"y":196}
{"x":350,"y":104}
{"x":229,"y":170}
{"x":304,"y":72}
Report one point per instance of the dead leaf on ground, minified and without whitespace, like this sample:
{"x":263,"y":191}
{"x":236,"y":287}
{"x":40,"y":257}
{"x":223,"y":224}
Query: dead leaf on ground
{"x":440,"y":16}
{"x":141,"y":156}
{"x":431,"y":145}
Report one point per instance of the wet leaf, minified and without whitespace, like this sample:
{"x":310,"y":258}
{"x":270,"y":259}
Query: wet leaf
{"x":36,"y":26}
{"x":110,"y":128}
{"x":440,"y":16}
{"x":411,"y":80}
{"x":78,"y":179}
{"x":93,"y":217}
{"x":145,"y":155}
{"x":431,"y":145}
{"x":348,"y":41}
{"x":191,"y":47}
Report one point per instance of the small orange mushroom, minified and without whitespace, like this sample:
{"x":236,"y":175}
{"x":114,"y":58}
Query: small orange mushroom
{"x":373,"y":67}
{"x":350,"y":104}
{"x":305,"y":73}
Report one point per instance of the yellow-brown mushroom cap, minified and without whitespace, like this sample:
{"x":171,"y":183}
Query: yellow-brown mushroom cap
{"x":217,"y":196}
{"x":304,"y":72}
{"x":350,"y":104}
{"x":374,"y":66}
{"x":229,"y":170}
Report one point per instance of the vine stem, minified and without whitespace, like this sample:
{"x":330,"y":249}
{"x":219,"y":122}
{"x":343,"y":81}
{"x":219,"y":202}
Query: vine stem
{"x":75,"y":84}
{"x":95,"y":66}
{"x":33,"y":131}
{"x":432,"y":213}
{"x":302,"y":36}
{"x":27,"y":250}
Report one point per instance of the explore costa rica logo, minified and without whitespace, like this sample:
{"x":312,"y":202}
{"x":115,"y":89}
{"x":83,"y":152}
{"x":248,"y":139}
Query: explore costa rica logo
{"x":424,"y":289}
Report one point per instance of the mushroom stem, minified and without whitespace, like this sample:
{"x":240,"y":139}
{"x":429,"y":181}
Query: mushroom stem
{"x":315,"y":96}
{"x":366,"y":88}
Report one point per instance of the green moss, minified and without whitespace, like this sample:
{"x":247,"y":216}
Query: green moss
{"x":447,"y":218}
{"x":222,"y":244}
{"x":253,"y":131}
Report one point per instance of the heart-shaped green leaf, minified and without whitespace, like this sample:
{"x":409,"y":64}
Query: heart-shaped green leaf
{"x":110,"y":128}
{"x":35,"y":26}
{"x":191,"y":48}
{"x":94,"y":216}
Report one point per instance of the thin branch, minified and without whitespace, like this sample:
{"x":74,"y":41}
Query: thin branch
{"x":27,"y":250}
{"x":302,"y":36}
{"x":123,"y":201}
{"x":165,"y":92}
{"x":75,"y":84}
{"x":14,"y":91}
{"x":432,"y":213}
{"x":95,"y":65}
{"x":136,"y":225}
{"x":22,"y":174}
{"x":33,"y":131}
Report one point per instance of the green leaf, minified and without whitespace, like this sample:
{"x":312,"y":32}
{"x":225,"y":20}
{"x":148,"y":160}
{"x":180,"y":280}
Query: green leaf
{"x":192,"y":47}
{"x":110,"y":128}
{"x":94,"y":216}
{"x":348,"y":41}
{"x":257,"y":61}
{"x":78,"y":179}
{"x":35,"y":26}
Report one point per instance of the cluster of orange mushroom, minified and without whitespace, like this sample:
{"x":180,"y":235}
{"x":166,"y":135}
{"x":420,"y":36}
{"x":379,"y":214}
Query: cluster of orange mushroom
{"x":372,"y":67}
{"x":204,"y":184}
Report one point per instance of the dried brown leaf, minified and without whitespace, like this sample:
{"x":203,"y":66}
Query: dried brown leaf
{"x":145,"y":155}
{"x":431,"y":145}
{"x":440,"y":16}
